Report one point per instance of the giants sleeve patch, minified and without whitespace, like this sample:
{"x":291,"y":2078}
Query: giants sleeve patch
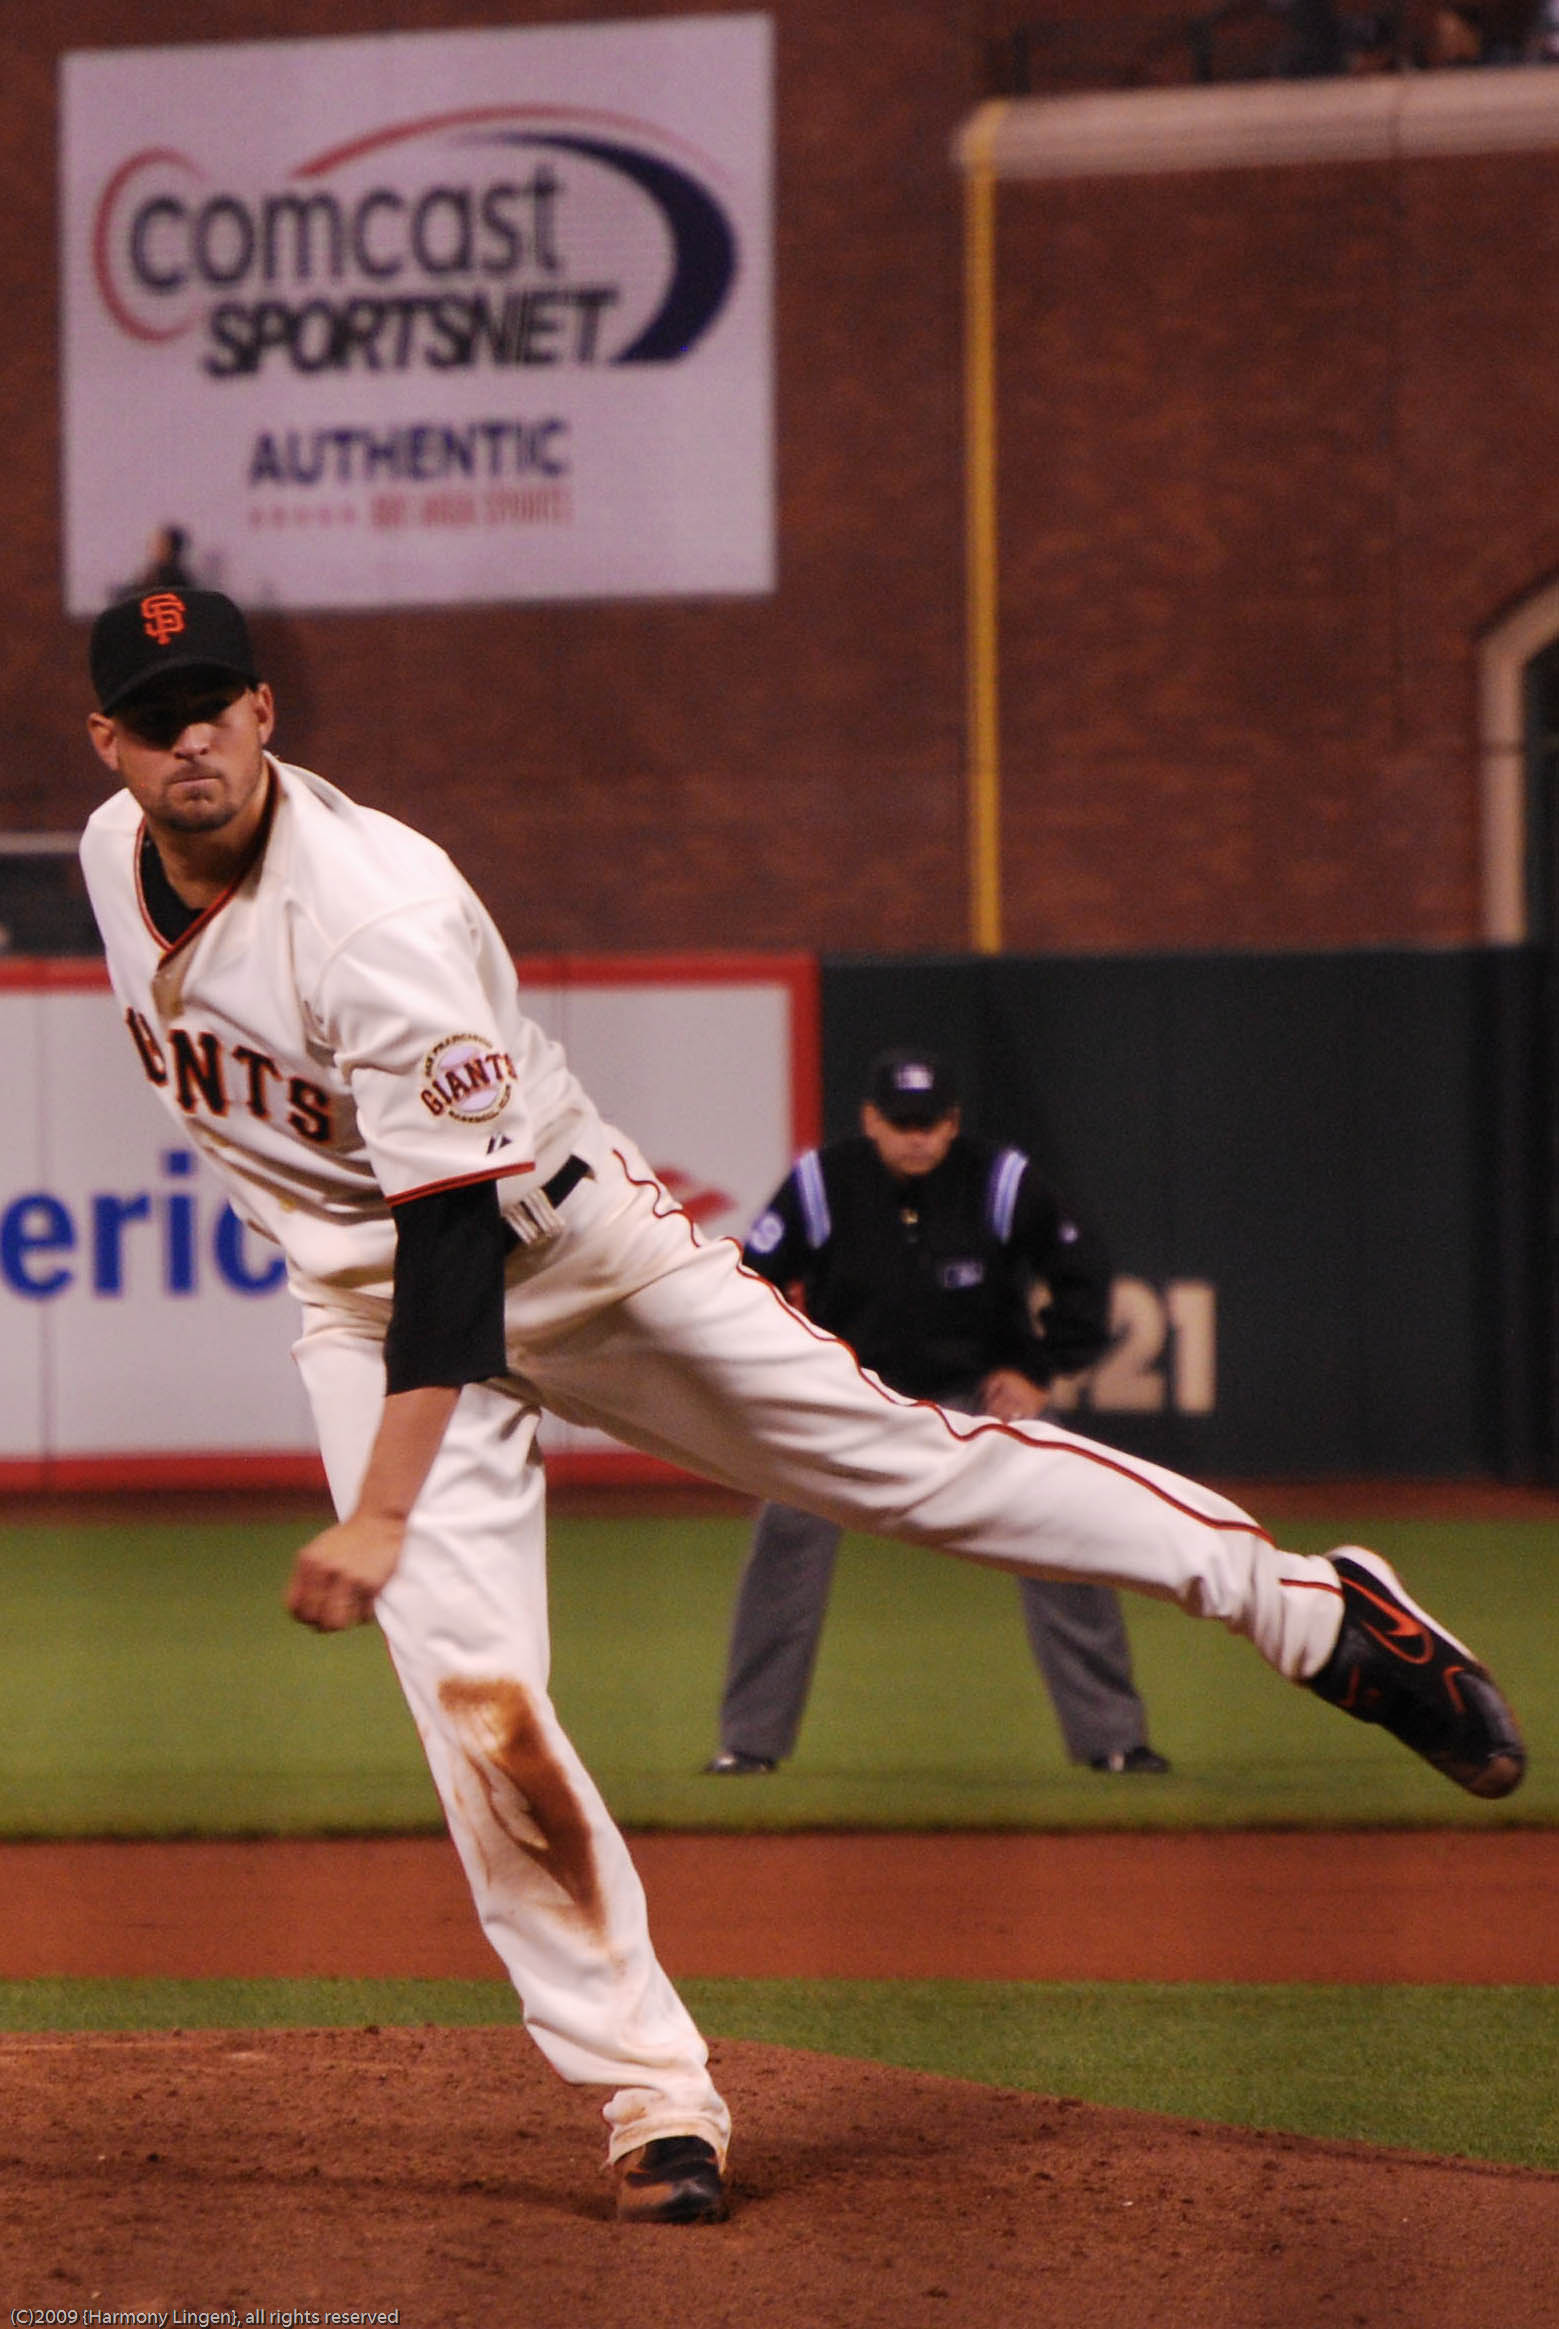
{"x":467,"y":1080}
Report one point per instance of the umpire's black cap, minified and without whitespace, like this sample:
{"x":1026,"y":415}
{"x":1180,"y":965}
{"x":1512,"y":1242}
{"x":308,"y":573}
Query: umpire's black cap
{"x":911,"y":1087}
{"x":137,"y":639}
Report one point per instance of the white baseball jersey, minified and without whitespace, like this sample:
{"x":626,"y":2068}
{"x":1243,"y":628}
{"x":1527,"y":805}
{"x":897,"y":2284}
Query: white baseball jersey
{"x":341,"y":1031}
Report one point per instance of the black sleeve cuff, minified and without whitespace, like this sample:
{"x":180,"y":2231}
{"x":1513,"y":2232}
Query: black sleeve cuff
{"x":446,"y":1324}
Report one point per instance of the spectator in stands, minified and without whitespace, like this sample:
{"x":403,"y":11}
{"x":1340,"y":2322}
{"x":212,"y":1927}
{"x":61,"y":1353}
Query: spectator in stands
{"x":167,"y":565}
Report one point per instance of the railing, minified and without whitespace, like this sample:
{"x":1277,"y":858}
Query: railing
{"x":43,"y":901}
{"x":1244,"y":40}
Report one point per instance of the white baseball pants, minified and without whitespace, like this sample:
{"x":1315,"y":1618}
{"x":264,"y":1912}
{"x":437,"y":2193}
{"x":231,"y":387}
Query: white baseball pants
{"x":632,"y":1322}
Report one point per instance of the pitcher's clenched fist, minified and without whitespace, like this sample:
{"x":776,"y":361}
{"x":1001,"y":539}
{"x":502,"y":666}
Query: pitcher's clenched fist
{"x":337,"y":1575}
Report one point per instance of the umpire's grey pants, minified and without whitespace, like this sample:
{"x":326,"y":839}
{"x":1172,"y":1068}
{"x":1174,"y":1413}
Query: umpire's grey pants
{"x":1076,"y":1632}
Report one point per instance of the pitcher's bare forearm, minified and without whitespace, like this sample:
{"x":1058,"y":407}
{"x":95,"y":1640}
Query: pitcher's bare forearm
{"x":337,"y":1574}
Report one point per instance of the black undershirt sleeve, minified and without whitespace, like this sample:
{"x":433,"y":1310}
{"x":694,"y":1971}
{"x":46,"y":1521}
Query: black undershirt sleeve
{"x":446,"y":1323}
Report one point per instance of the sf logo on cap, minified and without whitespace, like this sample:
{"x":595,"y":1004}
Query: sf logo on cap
{"x":163,"y":616}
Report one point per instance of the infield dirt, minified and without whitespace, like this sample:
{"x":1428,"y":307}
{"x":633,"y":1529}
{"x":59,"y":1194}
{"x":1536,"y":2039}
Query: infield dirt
{"x":444,"y":2178}
{"x":447,"y":2178}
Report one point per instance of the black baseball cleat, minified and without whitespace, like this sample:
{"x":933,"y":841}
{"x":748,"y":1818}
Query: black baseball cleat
{"x":674,"y":2180}
{"x":731,"y":1763}
{"x":1393,"y":1665}
{"x":1136,"y":1762}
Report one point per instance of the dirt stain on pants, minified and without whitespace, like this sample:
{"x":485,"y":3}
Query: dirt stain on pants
{"x":527,"y":1793}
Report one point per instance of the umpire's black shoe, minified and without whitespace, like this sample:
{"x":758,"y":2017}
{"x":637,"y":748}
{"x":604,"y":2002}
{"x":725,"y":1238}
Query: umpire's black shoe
{"x":731,"y":1763}
{"x":1393,"y":1665}
{"x":674,"y":2180}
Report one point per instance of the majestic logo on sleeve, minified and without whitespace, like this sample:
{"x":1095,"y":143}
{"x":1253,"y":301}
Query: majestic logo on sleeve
{"x":465,"y":1079}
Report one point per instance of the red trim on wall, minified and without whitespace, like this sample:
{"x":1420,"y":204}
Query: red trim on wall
{"x":806,"y":1053}
{"x":211,"y":1468}
{"x":286,"y":1469}
{"x":615,"y":1468}
{"x":670,"y":970}
{"x":799,"y":972}
{"x":54,"y":974}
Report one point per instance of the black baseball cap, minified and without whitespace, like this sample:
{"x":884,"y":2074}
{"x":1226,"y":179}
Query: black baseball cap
{"x":138,"y":639}
{"x":911,"y":1087}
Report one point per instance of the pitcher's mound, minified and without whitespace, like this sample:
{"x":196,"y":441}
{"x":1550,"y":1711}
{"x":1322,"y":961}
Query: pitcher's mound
{"x":445,"y":2179}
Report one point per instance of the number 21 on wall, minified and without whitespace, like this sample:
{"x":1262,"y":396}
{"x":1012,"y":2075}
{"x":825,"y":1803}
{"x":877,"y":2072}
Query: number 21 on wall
{"x":1165,"y":1353}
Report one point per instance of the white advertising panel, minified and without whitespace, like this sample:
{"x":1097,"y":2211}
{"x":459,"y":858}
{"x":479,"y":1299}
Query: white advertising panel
{"x":412,"y":318}
{"x":146,"y":1336}
{"x":24,"y":1169}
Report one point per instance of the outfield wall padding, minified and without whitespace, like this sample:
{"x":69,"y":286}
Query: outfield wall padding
{"x":1349,"y":1150}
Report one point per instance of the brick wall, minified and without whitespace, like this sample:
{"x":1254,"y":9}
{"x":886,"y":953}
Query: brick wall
{"x":1274,"y":448}
{"x":643,"y":774}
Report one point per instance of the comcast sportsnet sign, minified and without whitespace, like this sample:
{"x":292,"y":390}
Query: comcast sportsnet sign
{"x":422,"y":317}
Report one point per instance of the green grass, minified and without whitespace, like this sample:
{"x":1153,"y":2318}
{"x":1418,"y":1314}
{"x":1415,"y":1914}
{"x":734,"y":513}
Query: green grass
{"x":155,"y":2004}
{"x":1459,"y":2071}
{"x":149,"y":1683}
{"x":1463,"y":2072}
{"x":927,"y":1710}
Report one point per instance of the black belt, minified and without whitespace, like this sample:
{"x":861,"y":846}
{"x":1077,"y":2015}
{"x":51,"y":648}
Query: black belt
{"x":568,"y":1176}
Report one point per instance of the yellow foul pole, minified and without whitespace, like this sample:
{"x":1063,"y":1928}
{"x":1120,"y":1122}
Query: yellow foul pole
{"x":983,"y":749}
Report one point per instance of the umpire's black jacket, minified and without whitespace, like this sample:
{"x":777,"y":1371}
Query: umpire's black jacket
{"x":929,"y":1280}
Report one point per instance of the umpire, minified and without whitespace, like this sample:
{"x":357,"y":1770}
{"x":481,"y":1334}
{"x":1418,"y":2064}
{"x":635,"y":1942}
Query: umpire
{"x":921,"y":1247}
